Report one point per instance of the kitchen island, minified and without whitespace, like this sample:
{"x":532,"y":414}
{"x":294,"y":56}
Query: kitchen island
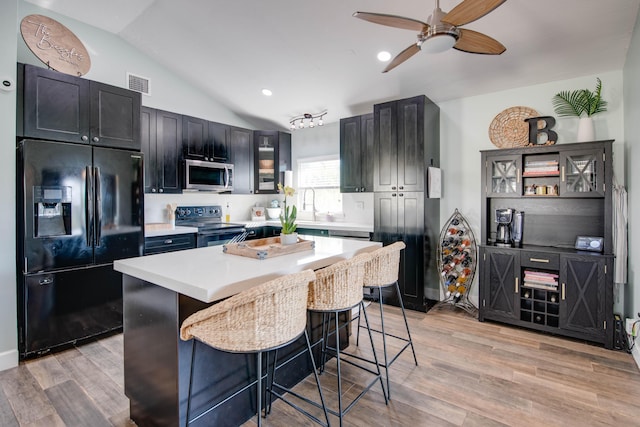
{"x":160,"y":291}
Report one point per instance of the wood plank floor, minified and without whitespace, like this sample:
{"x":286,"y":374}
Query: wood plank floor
{"x":469,"y":374}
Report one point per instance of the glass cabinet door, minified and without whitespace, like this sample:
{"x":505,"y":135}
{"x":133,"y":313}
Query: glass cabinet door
{"x":582,"y":173}
{"x":503,"y":176}
{"x":266,"y":154}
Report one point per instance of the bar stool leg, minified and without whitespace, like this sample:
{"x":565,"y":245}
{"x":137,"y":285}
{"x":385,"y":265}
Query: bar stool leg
{"x":375,"y":357}
{"x":315,"y":374}
{"x":384,"y":342}
{"x":193,"y":357}
{"x":259,"y":387}
{"x":338,"y":368}
{"x":406,"y":324}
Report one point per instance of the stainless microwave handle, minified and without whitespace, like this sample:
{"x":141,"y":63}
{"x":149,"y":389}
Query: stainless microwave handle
{"x":226,"y":176}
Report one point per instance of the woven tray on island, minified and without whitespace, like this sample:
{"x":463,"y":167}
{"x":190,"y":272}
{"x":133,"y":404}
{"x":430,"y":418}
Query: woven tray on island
{"x":267,"y":248}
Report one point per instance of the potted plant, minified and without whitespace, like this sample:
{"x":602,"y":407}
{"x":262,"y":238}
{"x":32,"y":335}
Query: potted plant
{"x":575,"y":103}
{"x":288,"y":235}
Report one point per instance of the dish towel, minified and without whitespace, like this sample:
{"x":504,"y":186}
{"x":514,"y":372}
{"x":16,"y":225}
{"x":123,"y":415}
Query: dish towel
{"x":620,"y":233}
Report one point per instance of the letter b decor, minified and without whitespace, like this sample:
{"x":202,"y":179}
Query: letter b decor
{"x":535,"y":129}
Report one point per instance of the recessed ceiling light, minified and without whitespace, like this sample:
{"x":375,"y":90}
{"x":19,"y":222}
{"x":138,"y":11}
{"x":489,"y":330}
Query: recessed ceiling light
{"x":267,"y":92}
{"x":384,"y":56}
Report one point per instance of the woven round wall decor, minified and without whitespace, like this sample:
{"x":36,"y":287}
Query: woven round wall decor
{"x":508,"y":129}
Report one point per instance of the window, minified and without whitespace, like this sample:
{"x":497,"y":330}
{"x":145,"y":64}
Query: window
{"x":320,"y":177}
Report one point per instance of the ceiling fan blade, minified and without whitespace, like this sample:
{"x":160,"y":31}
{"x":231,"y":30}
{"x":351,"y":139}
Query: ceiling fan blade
{"x":469,"y":11}
{"x":402,"y":56}
{"x":392,"y":21}
{"x":475,"y":42}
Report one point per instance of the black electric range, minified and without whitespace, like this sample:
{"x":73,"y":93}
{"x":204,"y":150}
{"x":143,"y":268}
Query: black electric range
{"x":208,"y":220}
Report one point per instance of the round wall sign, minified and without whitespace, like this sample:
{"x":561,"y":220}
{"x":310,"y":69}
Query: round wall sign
{"x":55,"y":45}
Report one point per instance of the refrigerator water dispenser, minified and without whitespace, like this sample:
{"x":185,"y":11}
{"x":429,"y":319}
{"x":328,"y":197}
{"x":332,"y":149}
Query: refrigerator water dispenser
{"x":52,"y":209}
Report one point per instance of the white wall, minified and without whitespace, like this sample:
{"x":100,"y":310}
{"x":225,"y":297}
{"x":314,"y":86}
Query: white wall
{"x":632,"y":157}
{"x":8,"y":328}
{"x":464,"y":126}
{"x":112,"y":58}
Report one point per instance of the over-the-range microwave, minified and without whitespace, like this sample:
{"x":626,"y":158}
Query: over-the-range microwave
{"x":207,"y":176}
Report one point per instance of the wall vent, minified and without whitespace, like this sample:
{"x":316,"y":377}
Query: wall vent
{"x":139,"y":84}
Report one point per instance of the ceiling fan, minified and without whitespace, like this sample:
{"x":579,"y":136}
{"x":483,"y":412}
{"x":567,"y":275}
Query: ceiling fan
{"x":442,"y":30}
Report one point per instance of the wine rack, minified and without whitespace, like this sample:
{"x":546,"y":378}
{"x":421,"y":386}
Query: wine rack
{"x":540,"y":306}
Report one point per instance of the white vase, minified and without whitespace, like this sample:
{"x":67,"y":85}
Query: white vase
{"x":289,"y":239}
{"x":586,"y":131}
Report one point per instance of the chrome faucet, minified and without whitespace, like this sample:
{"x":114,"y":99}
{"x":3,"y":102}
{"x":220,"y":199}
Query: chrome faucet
{"x":313,"y":202}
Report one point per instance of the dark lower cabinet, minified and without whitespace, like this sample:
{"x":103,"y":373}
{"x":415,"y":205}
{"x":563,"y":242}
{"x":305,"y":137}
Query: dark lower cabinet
{"x":404,"y":216}
{"x":60,"y":107}
{"x":161,"y":139}
{"x":576,"y":303}
{"x":585,"y":297}
{"x":500,"y":283}
{"x":169,"y":243}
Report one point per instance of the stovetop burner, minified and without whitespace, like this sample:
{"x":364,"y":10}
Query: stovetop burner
{"x":203,"y":217}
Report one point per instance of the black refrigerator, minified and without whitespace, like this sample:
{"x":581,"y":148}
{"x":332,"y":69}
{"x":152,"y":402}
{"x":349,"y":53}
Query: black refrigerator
{"x":79,"y":208}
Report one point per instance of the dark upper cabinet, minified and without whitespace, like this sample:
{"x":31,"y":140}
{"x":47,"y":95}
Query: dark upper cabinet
{"x":503,"y":175}
{"x":241,"y":149}
{"x":60,"y":107}
{"x":271,"y":157}
{"x":219,"y":142}
{"x":195,"y":138}
{"x":406,"y":142}
{"x":356,"y":149}
{"x":161,"y":138}
{"x":205,"y":140}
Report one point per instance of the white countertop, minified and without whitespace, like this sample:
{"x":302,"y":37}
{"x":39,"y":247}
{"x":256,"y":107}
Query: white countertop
{"x":208,"y":274}
{"x":170,"y":231}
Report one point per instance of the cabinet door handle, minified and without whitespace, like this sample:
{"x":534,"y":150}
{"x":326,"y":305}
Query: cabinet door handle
{"x":84,"y":138}
{"x":357,"y":190}
{"x":401,"y":188}
{"x":518,"y":175}
{"x":362,"y":189}
{"x":393,"y":188}
{"x":393,"y":195}
{"x":539,"y":260}
{"x":168,"y":242}
{"x":400,"y":195}
{"x":517,"y":288}
{"x":563,"y":292}
{"x":161,"y":190}
{"x":153,"y":190}
{"x":562,"y":179}
{"x":96,"y":139}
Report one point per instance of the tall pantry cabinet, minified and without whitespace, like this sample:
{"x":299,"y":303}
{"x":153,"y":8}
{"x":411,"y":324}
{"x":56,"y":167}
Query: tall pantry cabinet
{"x":406,"y":144}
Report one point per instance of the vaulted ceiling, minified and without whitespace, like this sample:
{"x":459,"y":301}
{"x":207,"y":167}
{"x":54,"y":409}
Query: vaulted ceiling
{"x":315,"y":56}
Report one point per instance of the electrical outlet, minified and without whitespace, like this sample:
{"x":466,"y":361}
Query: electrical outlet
{"x":629,"y":326}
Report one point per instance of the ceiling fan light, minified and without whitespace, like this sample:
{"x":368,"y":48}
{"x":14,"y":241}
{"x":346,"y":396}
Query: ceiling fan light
{"x":438,"y":43}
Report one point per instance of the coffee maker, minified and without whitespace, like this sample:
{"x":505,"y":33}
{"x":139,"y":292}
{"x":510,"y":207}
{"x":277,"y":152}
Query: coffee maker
{"x":510,"y":227}
{"x":504,"y":217}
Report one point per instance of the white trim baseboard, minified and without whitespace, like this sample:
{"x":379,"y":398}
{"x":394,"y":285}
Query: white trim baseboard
{"x":8,"y":359}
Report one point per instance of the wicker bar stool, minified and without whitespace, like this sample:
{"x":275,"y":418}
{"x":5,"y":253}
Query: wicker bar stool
{"x":336,"y":289}
{"x":258,"y":320}
{"x":382,"y":272}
